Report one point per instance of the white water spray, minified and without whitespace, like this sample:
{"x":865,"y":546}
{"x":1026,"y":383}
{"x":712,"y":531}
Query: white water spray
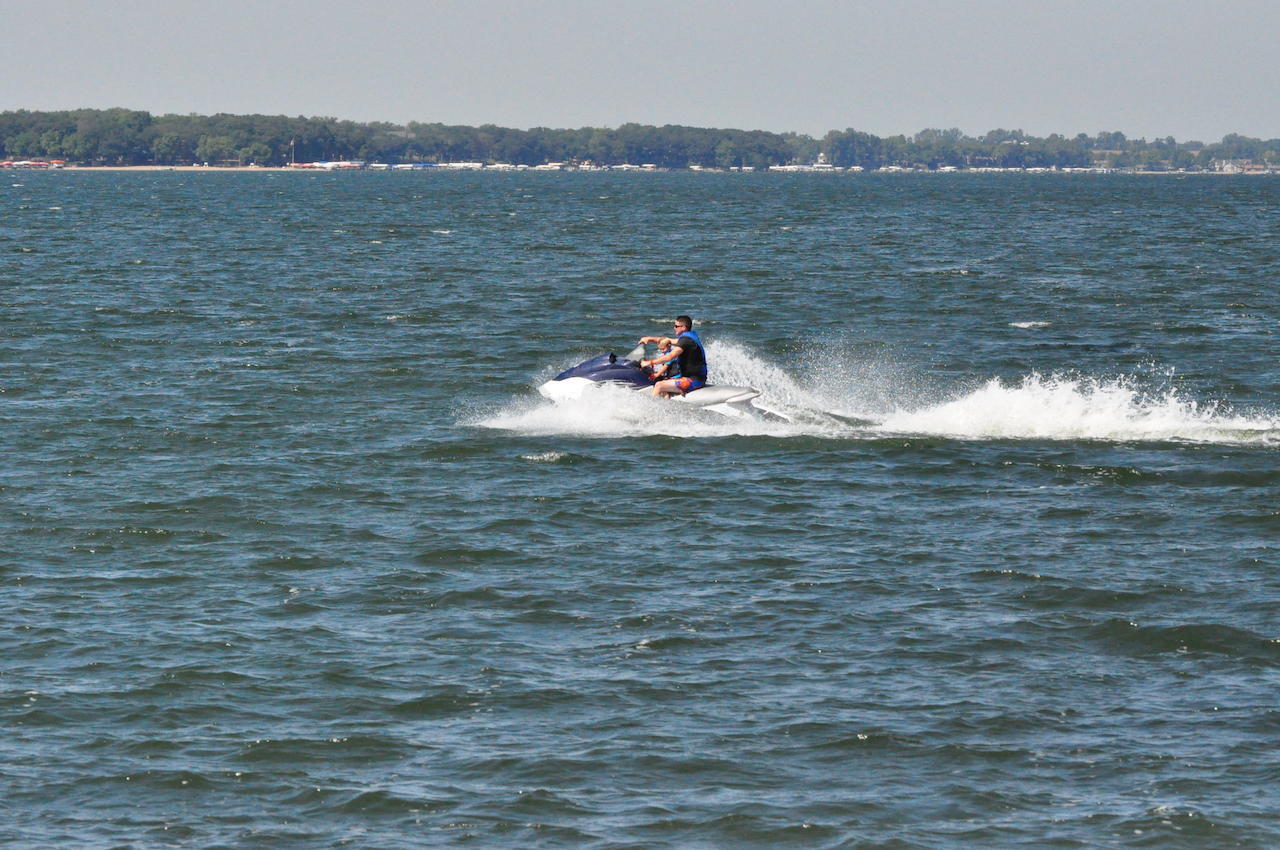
{"x":1059,"y":407}
{"x":869,"y":400}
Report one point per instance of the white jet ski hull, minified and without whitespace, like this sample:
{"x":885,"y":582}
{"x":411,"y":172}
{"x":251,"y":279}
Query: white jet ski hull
{"x":725,"y":400}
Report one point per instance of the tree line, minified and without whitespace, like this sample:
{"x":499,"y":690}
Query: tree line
{"x":134,"y":137}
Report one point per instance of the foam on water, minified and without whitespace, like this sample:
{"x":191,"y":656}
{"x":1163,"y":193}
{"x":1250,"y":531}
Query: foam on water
{"x":616,"y":412}
{"x":1063,"y":407}
{"x":545,"y":457}
{"x":858,"y":401}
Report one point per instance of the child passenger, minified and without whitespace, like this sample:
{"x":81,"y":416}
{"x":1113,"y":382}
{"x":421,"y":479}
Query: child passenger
{"x":666,"y":371}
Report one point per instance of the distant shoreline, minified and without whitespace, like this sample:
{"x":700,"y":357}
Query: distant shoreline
{"x":267,"y":169}
{"x":210,"y":168}
{"x":134,"y":138}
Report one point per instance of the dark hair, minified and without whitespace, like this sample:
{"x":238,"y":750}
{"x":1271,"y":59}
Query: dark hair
{"x":686,"y":321}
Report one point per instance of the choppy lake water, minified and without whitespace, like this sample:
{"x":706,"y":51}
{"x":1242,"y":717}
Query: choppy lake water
{"x":294,"y":555}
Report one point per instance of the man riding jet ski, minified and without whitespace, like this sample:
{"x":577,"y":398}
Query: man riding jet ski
{"x":686,"y":351}
{"x":634,"y":372}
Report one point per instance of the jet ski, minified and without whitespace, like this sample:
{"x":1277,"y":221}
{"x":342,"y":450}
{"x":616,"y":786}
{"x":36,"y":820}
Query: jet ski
{"x":627,"y":373}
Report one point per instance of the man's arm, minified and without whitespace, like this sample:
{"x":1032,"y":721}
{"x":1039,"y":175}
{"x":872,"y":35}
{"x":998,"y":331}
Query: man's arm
{"x":664,"y":358}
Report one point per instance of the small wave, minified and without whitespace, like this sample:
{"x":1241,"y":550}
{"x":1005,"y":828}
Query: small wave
{"x":418,"y":317}
{"x":361,"y":748}
{"x":545,"y":457}
{"x":1025,"y":325}
{"x":1176,"y":825}
{"x":1130,"y":638}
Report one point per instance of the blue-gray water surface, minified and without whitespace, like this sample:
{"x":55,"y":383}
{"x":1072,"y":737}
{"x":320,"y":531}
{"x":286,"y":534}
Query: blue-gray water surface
{"x":293,"y":553}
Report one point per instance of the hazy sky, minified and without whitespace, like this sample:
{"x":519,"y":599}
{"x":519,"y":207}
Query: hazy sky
{"x":1151,"y":68}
